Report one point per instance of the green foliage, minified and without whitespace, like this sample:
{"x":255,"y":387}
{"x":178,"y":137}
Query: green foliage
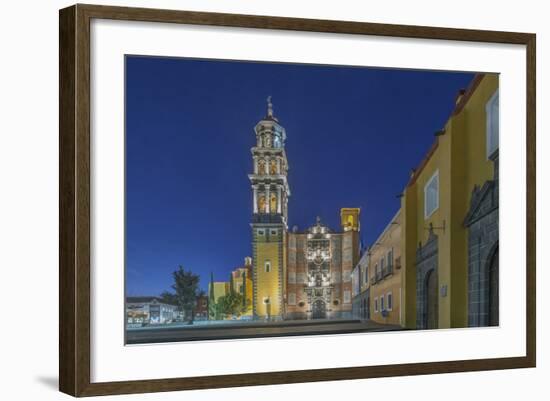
{"x":231,"y":284}
{"x":186,"y":287}
{"x":232,"y":304}
{"x":212,"y":308}
{"x":169,"y":298}
{"x":244,"y":290}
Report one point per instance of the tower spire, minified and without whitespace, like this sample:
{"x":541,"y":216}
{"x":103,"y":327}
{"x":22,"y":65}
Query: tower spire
{"x":269,"y":107}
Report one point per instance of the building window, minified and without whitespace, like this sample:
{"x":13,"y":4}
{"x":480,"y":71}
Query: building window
{"x":273,"y":232}
{"x":267,"y":266}
{"x":292,"y":298}
{"x":492,"y":117}
{"x":390,"y":259}
{"x":431,"y":195}
{"x":346,"y":277}
{"x":347,"y":297}
{"x":376,"y":305}
{"x":382,"y":272}
{"x":382,"y":303}
{"x":261,"y":232}
{"x":390,"y":300}
{"x":292,"y":277}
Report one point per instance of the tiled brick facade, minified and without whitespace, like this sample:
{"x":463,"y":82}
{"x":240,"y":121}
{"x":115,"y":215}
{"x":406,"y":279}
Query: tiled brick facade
{"x":482,"y":224}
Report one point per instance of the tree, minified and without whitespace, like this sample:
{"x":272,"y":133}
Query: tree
{"x":186,"y":287}
{"x":212,"y":309}
{"x":244,"y":289}
{"x":231,"y":283}
{"x":232,"y":304}
{"x":169,"y":298}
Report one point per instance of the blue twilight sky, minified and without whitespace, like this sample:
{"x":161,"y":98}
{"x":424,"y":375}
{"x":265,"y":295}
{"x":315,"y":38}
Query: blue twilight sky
{"x":353,"y":134}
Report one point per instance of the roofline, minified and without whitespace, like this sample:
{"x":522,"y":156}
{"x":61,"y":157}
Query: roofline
{"x":387,"y":227}
{"x":423,"y":163}
{"x":472,"y":86}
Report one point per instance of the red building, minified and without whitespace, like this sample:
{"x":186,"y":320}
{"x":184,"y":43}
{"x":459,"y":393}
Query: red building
{"x":201,"y":310}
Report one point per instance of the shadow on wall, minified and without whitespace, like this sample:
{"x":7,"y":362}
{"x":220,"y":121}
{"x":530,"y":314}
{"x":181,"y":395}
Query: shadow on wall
{"x":49,"y":381}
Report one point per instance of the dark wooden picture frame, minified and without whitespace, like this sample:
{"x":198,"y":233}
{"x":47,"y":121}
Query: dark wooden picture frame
{"x":74,"y":203}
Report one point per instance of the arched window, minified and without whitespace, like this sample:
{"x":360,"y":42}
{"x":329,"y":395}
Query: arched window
{"x":261,"y":204}
{"x":273,"y":166}
{"x":273,"y":202}
{"x":261,"y":167}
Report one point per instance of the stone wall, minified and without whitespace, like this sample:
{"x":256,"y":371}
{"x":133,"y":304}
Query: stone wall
{"x":426,"y":262}
{"x":483,"y":233}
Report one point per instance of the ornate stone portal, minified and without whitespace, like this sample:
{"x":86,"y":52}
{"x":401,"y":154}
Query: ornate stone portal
{"x":483,"y":229}
{"x":296,"y":275}
{"x":318,"y":288}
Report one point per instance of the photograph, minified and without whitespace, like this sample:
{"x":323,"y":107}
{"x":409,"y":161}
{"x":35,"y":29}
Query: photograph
{"x":253,"y":200}
{"x":271,"y":199}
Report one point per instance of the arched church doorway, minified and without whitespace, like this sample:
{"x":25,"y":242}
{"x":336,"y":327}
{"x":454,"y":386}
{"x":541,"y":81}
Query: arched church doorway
{"x":319,"y":309}
{"x":432,"y":301}
{"x":493,"y":289}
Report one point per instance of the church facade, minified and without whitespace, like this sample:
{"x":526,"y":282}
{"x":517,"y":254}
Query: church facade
{"x":295,"y":275}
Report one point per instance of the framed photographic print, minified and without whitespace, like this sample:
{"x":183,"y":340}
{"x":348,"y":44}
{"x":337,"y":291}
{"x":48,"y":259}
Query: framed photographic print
{"x":250,"y":200}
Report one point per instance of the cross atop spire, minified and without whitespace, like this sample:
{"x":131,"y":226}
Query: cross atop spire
{"x":269,"y":107}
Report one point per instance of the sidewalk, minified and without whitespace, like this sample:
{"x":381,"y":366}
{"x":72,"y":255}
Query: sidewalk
{"x":252,"y":329}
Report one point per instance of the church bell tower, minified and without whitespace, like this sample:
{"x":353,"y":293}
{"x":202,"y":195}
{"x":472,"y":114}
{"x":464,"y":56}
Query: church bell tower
{"x":270,"y":192}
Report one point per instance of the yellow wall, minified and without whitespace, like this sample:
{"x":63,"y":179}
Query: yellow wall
{"x":461,"y":159}
{"x":349,"y":218}
{"x":389,"y":239}
{"x":237,"y":283}
{"x":267,"y":283}
{"x":220,"y":289}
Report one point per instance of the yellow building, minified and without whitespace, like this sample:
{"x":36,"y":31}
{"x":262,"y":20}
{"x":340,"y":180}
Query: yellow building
{"x":270,"y":192}
{"x":242,"y":284}
{"x":386,"y":274}
{"x":349,"y":218}
{"x":296,"y":275}
{"x":218,"y":289}
{"x":449,"y":218}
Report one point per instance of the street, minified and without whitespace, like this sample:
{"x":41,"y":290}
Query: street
{"x":157,"y":334}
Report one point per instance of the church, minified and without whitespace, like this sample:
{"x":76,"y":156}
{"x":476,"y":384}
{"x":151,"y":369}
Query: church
{"x":296,"y":275}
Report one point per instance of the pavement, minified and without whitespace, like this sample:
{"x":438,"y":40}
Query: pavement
{"x":253,"y":329}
